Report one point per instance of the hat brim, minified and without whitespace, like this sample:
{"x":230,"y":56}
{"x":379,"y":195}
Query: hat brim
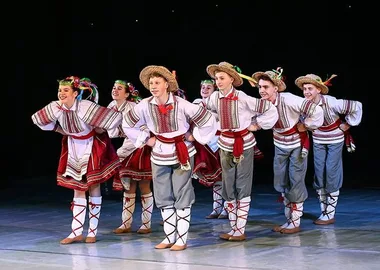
{"x":279,"y":83}
{"x":304,"y":79}
{"x":164,"y":72}
{"x":233,"y":73}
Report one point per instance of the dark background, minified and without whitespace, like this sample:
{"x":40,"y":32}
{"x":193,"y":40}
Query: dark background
{"x":112,"y":40}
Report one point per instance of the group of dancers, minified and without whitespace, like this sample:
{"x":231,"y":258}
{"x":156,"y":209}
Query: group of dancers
{"x":168,"y":140}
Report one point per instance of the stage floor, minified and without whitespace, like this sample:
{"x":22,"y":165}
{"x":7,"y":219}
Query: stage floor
{"x":32,"y":222}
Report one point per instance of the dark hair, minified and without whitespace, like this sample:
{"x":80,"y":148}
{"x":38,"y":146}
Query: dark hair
{"x":265,"y":77}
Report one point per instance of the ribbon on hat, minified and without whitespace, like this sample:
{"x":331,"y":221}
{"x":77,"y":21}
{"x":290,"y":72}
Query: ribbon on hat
{"x":237,"y":69}
{"x":328,"y":81}
{"x":278,"y":71}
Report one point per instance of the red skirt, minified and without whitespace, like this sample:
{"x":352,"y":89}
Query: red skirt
{"x":102,"y":165}
{"x":136,"y":166}
{"x":207,"y":165}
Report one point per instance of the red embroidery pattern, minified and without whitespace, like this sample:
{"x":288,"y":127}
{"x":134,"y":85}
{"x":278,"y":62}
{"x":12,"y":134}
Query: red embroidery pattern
{"x":165,"y":119}
{"x":282,"y":121}
{"x":228,"y":111}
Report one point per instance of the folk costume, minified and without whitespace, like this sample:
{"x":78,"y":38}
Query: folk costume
{"x":328,"y":141}
{"x":172,"y":155}
{"x":87,"y":157}
{"x":234,"y":111}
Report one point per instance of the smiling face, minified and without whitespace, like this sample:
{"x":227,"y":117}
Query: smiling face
{"x":119,"y":92}
{"x":267,"y":89}
{"x":67,"y":94}
{"x":310,"y":91}
{"x":158,"y":86}
{"x":207,"y":88}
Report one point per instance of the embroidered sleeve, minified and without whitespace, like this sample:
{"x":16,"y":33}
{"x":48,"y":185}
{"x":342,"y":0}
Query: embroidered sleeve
{"x":307,"y":107}
{"x":201,"y":117}
{"x":134,"y":124}
{"x":352,"y":110}
{"x":99,"y":116}
{"x":266,"y":112}
{"x":118,"y":131}
{"x":261,"y":106}
{"x":46,"y":118}
{"x":131,"y":118}
{"x":311,"y":113}
{"x":211,"y":104}
{"x":205,"y":124}
{"x":135,"y":115}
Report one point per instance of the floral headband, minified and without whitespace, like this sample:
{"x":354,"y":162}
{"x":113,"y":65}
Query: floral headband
{"x":135,"y":94}
{"x":82,"y":84}
{"x":209,"y":82}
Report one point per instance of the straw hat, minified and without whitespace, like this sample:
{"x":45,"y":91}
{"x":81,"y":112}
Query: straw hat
{"x":274,"y":75}
{"x":226,"y":67}
{"x":164,"y":72}
{"x":315,"y":80}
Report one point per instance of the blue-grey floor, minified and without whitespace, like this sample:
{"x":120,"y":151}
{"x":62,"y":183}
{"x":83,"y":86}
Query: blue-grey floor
{"x":33,"y":221}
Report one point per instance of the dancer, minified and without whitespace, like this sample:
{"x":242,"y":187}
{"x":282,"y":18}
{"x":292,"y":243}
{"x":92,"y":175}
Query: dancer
{"x":135,"y":164}
{"x":87,"y":157}
{"x":168,"y":117}
{"x":207,"y":168}
{"x":328,"y":141}
{"x":291,"y":143}
{"x":235,"y":110}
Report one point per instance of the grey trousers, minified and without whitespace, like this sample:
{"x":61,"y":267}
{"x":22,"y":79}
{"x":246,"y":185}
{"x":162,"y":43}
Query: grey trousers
{"x":328,"y":166}
{"x":236,"y":178}
{"x":289,"y":173}
{"x":173,"y":186}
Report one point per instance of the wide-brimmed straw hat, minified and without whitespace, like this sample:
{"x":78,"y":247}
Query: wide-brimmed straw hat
{"x":233,"y":71}
{"x":315,"y":80}
{"x":274,"y":75}
{"x":164,"y":72}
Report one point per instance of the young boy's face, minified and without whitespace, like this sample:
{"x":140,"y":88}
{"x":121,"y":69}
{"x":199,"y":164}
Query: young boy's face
{"x":158,"y":86}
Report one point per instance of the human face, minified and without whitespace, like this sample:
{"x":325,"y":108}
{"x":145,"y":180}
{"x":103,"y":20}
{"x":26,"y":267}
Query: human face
{"x":267,"y":90}
{"x":67,"y":95}
{"x":207,"y":89}
{"x":310,"y":91}
{"x":158,"y":87}
{"x":119,"y":92}
{"x":223,"y":81}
